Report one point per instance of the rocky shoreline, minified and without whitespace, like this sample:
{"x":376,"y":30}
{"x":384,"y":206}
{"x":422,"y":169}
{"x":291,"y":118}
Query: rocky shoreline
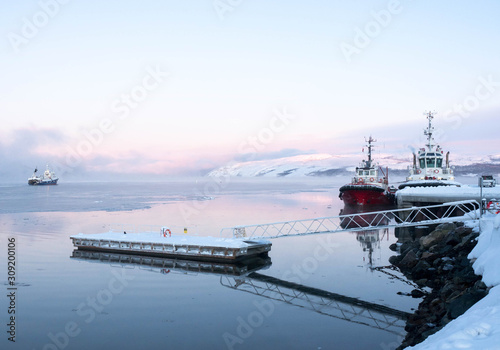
{"x":436,"y":260}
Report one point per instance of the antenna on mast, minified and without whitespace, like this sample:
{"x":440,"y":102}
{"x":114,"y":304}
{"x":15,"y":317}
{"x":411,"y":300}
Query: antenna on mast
{"x":370,"y":146}
{"x":428,"y":132}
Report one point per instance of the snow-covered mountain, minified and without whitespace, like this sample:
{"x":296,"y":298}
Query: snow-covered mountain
{"x":329,"y":165}
{"x":303,"y":165}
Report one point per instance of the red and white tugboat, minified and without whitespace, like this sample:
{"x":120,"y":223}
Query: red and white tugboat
{"x":430,"y":168}
{"x":367,"y":187}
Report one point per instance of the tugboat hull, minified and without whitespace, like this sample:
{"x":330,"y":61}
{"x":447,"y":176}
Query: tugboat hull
{"x":365,"y":195}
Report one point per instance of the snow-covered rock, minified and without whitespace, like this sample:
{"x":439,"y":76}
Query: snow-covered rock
{"x":479,"y":327}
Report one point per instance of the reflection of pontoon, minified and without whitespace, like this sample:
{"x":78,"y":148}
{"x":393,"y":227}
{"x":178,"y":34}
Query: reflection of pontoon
{"x":243,"y":276}
{"x":164,"y":265}
{"x":326,"y":303}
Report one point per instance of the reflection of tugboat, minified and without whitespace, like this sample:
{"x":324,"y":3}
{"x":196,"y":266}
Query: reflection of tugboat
{"x":368,"y":216}
{"x":369,"y":240}
{"x":367,"y":187}
{"x":48,"y":178}
{"x":430,"y":169}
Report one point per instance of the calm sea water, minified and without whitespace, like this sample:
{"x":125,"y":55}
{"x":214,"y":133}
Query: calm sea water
{"x":65,"y":301}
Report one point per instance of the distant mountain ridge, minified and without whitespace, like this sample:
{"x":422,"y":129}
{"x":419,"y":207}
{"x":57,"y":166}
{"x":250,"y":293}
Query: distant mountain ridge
{"x":331,"y":165}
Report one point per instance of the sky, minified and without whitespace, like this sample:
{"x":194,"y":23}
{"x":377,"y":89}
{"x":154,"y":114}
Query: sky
{"x":179,"y":87}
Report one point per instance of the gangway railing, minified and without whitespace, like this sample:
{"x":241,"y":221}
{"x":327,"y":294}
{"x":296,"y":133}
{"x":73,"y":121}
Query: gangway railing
{"x":324,"y":302}
{"x":404,"y":217}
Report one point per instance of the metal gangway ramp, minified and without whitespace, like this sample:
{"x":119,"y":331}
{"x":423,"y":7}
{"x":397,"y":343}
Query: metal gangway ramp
{"x":323,"y":302}
{"x":404,"y":217}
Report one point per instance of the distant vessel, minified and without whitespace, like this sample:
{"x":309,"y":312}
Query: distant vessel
{"x":367,"y":187}
{"x":48,"y":178}
{"x":429,"y":167}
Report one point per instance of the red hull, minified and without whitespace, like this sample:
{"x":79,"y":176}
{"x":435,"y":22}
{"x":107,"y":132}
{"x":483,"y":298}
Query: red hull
{"x":365,"y":196}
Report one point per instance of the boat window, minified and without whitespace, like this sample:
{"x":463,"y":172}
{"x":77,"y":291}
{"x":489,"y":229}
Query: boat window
{"x":422,"y":162}
{"x":366,"y":172}
{"x":439,"y":162}
{"x":431,"y":162}
{"x":372,"y":172}
{"x":431,"y":154}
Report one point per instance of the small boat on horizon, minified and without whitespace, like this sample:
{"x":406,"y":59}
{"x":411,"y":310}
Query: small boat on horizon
{"x":430,"y":168}
{"x":367,"y":187}
{"x":48,"y":178}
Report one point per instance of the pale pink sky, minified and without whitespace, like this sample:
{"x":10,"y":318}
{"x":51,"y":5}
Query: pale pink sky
{"x":175,"y":88}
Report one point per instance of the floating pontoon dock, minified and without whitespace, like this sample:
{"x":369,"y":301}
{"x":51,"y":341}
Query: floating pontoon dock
{"x":182,"y":247}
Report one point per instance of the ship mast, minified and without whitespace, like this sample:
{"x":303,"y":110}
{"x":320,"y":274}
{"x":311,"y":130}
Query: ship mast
{"x":429,"y":130}
{"x":370,"y":146}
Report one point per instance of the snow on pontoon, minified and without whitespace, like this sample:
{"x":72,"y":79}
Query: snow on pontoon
{"x":48,"y":178}
{"x":367,"y":187}
{"x":429,"y":167}
{"x":164,"y":244}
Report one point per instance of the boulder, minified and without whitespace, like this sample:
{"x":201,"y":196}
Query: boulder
{"x":422,"y":270}
{"x":394,"y":260}
{"x":417,"y":293}
{"x":409,"y":260}
{"x":435,"y":236}
{"x":448,"y":226}
{"x":452,"y":239}
{"x":463,"y":231}
{"x":462,"y":303}
{"x":428,"y":256}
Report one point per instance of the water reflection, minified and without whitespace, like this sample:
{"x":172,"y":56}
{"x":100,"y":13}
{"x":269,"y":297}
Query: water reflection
{"x":321,"y":301}
{"x":365,"y":216}
{"x":165,"y":265}
{"x":183,"y":303}
{"x":369,"y":240}
{"x":245,"y":277}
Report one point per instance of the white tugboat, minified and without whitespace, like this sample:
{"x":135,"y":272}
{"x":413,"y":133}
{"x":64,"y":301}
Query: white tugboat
{"x":48,"y":178}
{"x":430,"y":167}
